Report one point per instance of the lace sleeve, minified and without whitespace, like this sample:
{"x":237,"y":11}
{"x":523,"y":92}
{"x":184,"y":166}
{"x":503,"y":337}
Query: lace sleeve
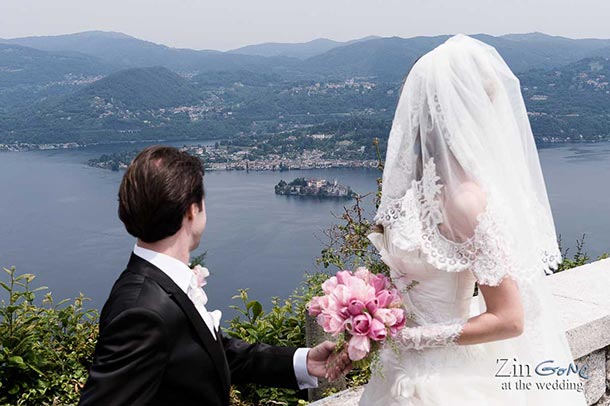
{"x":430,"y":336}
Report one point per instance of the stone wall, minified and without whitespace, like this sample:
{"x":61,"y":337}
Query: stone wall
{"x":582,"y":297}
{"x":583,"y":300}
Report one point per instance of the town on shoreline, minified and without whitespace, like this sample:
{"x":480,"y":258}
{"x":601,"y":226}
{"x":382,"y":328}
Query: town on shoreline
{"x":222,"y":158}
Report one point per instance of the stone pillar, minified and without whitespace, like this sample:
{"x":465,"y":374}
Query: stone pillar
{"x":314,"y":334}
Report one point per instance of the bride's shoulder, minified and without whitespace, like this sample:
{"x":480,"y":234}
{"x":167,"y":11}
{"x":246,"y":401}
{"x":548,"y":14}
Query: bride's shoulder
{"x":466,"y":203}
{"x":469,"y":194}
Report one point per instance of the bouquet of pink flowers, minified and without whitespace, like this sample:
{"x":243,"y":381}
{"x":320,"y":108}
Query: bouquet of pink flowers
{"x":362,"y":306}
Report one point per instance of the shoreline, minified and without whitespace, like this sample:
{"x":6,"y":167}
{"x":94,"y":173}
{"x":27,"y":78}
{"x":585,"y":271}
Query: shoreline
{"x":27,"y":147}
{"x":240,"y":167}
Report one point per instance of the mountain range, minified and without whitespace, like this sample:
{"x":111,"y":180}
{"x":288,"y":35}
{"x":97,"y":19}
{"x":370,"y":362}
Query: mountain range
{"x":297,"y":50}
{"x":366,"y":56}
{"x":69,"y":84}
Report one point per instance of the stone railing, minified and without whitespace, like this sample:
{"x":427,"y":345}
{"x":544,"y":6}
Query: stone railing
{"x":582,"y":298}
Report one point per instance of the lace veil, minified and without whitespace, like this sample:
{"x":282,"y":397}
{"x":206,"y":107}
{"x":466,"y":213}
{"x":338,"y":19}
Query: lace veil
{"x":462,"y":179}
{"x":462,"y":183}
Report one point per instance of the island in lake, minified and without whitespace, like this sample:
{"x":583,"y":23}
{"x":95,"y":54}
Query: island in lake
{"x":314,"y":188}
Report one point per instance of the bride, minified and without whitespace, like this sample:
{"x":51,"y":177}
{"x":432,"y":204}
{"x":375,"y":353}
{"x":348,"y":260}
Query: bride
{"x":464,"y":201}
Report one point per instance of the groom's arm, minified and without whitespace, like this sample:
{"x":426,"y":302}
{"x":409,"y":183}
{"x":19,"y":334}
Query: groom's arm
{"x":268,"y":365}
{"x":129,"y":359}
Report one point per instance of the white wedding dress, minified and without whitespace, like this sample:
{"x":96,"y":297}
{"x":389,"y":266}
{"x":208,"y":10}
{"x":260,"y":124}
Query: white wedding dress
{"x":460,"y":375}
{"x":461,"y":157}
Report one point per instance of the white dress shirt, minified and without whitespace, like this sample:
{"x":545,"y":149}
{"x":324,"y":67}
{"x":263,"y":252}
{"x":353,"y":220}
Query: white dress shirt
{"x":181,"y":274}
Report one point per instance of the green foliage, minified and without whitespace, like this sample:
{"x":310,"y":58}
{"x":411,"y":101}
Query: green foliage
{"x":348,"y":244}
{"x":279,"y":326}
{"x":579,"y":258}
{"x":198,"y":260}
{"x":283,"y":325}
{"x":569,"y":102}
{"x":44,"y":349}
{"x":298,"y":182}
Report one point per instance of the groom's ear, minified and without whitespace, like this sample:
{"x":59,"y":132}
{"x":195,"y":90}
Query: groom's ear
{"x":192,"y":211}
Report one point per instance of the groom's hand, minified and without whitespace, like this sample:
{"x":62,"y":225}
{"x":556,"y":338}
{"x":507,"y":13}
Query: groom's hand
{"x":323,"y":362}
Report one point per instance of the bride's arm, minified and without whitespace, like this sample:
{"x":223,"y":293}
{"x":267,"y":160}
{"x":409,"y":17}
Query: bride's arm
{"x":503,"y":317}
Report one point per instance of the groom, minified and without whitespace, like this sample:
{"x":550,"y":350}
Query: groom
{"x":158,"y":344}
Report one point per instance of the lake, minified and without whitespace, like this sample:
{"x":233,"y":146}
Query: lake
{"x":59,"y":220}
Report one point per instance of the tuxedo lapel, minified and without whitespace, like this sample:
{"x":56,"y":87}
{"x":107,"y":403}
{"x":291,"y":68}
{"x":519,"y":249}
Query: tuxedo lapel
{"x":213,"y":346}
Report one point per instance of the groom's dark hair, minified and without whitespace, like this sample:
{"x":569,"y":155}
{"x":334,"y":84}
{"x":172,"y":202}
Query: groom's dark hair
{"x":157,"y":189}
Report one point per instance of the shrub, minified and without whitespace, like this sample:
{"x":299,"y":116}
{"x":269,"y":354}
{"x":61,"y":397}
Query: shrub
{"x":284,"y":325}
{"x":44,"y":348}
{"x":579,"y":258}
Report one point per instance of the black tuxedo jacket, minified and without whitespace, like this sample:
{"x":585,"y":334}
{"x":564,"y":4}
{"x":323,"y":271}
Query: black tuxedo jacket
{"x":155,"y":349}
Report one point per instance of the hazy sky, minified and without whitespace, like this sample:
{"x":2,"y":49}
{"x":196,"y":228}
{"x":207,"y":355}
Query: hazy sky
{"x":228,"y":24}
